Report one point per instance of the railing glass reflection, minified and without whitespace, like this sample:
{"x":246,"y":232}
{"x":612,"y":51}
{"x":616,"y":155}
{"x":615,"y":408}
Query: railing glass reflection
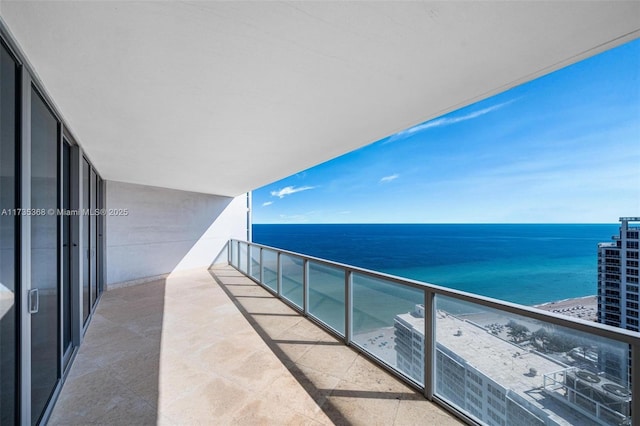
{"x":270,"y":269}
{"x":504,"y":368}
{"x":254,"y":271}
{"x":326,"y":295}
{"x":292,"y":268}
{"x":491,"y":361}
{"x":233,"y":248}
{"x":385,"y":323}
{"x":242,"y":257}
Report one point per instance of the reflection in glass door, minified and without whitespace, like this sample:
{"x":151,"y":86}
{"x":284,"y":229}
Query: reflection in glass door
{"x":66,"y":253}
{"x":8,"y":242}
{"x":86,"y":178}
{"x":44,"y":298}
{"x":100,"y":231}
{"x":92,"y":239}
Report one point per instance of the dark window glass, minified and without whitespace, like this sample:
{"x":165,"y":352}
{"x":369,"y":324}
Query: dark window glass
{"x":100,"y":231}
{"x":86,"y":177}
{"x":92,"y":238}
{"x":66,"y":247}
{"x":8,"y":229}
{"x":44,"y":254}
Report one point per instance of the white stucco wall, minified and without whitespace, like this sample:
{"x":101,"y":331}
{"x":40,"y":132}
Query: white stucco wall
{"x":167,"y":231}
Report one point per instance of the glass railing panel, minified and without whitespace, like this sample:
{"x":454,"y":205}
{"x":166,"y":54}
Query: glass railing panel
{"x":292,"y":278}
{"x":270,"y":269}
{"x":254,"y":266}
{"x":233,"y":245}
{"x":242,"y":257}
{"x":388,"y":322}
{"x":506,"y":369}
{"x":326,"y":295}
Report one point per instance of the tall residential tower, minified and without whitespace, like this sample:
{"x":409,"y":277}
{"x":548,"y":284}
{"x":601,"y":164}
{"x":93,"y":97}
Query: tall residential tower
{"x":618,"y":277}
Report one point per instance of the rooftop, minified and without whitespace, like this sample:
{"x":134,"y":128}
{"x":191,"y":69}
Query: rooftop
{"x":504,"y":362}
{"x":204,"y":347}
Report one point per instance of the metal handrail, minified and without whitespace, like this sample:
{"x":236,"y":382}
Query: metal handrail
{"x":610,"y":332}
{"x":628,"y":337}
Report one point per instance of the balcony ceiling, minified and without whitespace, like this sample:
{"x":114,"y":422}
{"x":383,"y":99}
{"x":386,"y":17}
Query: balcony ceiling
{"x":224,"y":97}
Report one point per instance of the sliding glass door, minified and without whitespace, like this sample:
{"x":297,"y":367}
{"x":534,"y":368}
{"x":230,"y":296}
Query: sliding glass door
{"x":86,"y":179}
{"x":9,"y":290}
{"x":44,"y":302}
{"x":91,"y":236}
{"x":51,"y":239}
{"x":66,"y":235}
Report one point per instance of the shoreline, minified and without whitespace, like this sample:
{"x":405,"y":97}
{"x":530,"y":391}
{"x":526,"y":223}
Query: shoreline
{"x":585,"y":307}
{"x":381,"y":341}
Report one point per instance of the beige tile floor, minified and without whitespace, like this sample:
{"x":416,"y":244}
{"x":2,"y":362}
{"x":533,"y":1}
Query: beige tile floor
{"x":214,"y":348}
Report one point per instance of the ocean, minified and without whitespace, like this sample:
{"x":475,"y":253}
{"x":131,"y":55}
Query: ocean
{"x":522,"y":263}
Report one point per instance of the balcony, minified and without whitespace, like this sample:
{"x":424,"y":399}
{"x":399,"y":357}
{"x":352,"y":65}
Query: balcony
{"x":489,"y":361}
{"x":216,"y":348}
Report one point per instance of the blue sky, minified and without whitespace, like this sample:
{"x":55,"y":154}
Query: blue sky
{"x":564,"y":148}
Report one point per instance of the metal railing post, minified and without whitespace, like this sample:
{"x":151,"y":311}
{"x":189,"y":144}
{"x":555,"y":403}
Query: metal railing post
{"x":249,"y":258}
{"x":348,"y":306}
{"x":261,"y":266}
{"x":429,"y":343}
{"x":305,"y":286}
{"x":278,"y":275}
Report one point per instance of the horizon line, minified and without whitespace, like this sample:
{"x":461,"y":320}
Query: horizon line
{"x":438,"y":223}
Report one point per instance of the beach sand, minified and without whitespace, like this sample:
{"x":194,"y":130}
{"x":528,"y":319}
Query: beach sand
{"x":583,"y":307}
{"x":381,"y":342}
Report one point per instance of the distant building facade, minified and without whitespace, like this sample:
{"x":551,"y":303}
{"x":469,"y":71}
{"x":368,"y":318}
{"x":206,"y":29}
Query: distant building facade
{"x":409,"y":339}
{"x":618,"y":277}
{"x":501,"y":383}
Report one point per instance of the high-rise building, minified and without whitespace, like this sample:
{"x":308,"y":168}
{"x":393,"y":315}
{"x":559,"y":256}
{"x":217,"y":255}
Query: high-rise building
{"x":508,"y":383}
{"x":618,"y":277}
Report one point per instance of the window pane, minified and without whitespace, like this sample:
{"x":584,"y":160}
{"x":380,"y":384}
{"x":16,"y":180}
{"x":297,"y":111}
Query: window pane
{"x":388,"y":322}
{"x":44,"y":254}
{"x":270,"y":269}
{"x":255,"y":262}
{"x":326,"y":295}
{"x":242,"y":262}
{"x":99,"y":237}
{"x":506,"y":369}
{"x":86,"y":271}
{"x":234,"y":253}
{"x":8,"y":229}
{"x":292,"y":278}
{"x":93,"y":236}
{"x":66,"y":247}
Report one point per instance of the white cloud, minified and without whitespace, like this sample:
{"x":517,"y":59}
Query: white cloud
{"x":445,"y":121}
{"x":268,"y":203}
{"x":290,"y":190}
{"x":389,"y":178}
{"x":299,"y":218}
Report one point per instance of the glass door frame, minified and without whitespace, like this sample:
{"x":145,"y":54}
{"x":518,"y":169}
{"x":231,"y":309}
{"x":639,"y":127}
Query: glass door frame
{"x":27,"y":84}
{"x":96,"y":227}
{"x":25,"y":246}
{"x":27,"y":88}
{"x":17,"y":237}
{"x":68,"y":183}
{"x":29,"y":93}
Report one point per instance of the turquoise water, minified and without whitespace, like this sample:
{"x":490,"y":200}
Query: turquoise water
{"x":526,"y":264}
